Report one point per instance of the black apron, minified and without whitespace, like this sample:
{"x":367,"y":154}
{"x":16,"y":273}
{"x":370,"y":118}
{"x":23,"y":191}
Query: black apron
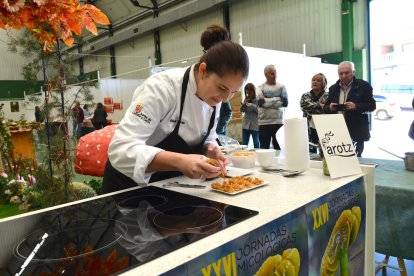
{"x":113,"y":180}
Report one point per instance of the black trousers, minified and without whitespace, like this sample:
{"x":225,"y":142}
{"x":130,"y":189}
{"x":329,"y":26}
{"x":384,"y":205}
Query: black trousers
{"x":359,"y":146}
{"x":267,"y":133}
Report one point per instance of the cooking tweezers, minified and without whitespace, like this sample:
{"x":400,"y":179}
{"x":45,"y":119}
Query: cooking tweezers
{"x":182,"y":185}
{"x":283,"y":172}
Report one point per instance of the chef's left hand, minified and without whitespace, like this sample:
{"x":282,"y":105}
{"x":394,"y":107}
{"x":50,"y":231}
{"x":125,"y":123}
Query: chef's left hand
{"x":212,"y":151}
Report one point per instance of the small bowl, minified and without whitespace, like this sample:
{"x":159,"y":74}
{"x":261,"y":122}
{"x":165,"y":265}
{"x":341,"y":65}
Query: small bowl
{"x":243,"y":159}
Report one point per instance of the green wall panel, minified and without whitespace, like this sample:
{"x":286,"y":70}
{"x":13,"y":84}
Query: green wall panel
{"x":15,"y":89}
{"x":358,"y":58}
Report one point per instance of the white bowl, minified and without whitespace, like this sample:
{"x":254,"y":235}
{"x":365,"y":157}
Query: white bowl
{"x":243,"y":159}
{"x":266,"y":157}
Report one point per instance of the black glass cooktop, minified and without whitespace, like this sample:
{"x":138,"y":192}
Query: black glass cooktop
{"x":111,"y":234}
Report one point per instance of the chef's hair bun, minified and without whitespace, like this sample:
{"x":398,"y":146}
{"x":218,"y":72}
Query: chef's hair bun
{"x":212,"y":35}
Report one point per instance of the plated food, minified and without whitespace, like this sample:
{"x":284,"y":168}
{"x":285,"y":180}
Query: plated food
{"x":237,"y":184}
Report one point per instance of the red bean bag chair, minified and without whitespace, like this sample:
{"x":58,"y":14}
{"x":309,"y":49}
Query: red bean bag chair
{"x":91,"y":152}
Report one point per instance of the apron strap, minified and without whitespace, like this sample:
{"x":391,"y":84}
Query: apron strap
{"x":183,"y":93}
{"x":210,"y":126}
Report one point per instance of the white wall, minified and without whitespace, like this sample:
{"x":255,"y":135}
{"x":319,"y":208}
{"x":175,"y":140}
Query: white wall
{"x":120,"y":90}
{"x":295,"y":71}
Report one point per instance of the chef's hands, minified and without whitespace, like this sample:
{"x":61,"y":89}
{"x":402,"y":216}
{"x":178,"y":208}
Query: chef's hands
{"x":195,"y":166}
{"x":213,"y":152}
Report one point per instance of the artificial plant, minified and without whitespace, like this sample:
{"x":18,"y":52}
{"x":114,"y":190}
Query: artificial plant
{"x":49,"y":22}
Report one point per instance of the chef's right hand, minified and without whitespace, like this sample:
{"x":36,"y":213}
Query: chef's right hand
{"x":194,"y":166}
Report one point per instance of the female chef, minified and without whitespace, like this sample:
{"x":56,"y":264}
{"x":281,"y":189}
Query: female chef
{"x":170,"y":126}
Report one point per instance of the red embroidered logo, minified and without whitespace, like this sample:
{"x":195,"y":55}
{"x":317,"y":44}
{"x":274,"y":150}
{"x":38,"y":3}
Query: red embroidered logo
{"x":138,"y":108}
{"x":139,"y":114}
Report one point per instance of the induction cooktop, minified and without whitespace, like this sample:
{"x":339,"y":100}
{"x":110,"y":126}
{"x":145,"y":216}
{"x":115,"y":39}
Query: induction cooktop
{"x":112,"y":234}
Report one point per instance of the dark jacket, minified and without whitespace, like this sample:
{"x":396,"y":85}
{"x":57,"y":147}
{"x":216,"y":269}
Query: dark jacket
{"x":39,"y":116}
{"x":356,"y":120}
{"x":99,"y":116}
{"x":78,"y":114}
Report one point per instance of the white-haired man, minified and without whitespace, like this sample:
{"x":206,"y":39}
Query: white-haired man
{"x":353,"y":98}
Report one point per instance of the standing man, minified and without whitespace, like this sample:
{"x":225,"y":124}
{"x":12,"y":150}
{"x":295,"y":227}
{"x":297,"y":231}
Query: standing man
{"x":272,"y":98}
{"x":353,"y":98}
{"x":78,"y":117}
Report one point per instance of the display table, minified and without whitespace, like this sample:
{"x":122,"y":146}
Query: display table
{"x":23,"y":144}
{"x":281,"y":198}
{"x":394,"y":208}
{"x":154,"y":230}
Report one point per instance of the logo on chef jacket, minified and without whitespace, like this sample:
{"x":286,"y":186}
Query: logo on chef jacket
{"x":336,"y":149}
{"x":138,"y":112}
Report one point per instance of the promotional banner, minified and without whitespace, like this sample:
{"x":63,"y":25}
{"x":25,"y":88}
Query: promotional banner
{"x":336,"y":145}
{"x":265,"y":249}
{"x":325,"y":237}
{"x":336,"y":226}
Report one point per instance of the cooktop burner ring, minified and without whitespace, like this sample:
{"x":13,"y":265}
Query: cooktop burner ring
{"x":133,"y":202}
{"x":122,"y":229}
{"x":161,"y":220}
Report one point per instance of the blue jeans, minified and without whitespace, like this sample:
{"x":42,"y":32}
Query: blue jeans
{"x":246,"y":137}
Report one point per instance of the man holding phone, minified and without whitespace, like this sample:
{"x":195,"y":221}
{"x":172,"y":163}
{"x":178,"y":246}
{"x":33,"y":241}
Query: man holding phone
{"x":353,"y":98}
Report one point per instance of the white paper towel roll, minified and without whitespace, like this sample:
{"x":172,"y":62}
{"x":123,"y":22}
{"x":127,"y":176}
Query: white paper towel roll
{"x":296,"y":144}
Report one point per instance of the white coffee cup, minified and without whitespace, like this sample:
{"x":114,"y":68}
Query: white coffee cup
{"x":265,"y":157}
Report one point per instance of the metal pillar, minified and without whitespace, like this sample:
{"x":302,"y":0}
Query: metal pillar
{"x":347,"y":29}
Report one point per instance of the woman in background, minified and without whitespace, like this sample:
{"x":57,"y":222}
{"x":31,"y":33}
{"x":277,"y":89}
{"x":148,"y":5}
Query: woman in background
{"x":99,"y":117}
{"x":250,"y":125}
{"x":86,"y":111}
{"x":311,"y":103}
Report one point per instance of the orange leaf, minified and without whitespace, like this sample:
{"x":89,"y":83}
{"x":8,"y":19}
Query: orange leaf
{"x":90,"y":26}
{"x":69,"y":41}
{"x":74,"y":25}
{"x":97,"y":15}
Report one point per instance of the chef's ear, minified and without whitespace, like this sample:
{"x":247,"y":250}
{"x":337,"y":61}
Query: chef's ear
{"x":202,"y":69}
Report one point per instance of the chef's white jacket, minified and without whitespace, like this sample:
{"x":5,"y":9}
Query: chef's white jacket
{"x":152,"y":116}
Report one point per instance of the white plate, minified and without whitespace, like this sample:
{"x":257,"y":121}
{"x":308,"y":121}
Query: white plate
{"x":233,"y":172}
{"x":242,"y":191}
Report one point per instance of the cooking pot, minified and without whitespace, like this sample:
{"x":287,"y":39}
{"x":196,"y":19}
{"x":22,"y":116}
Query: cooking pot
{"x":408,"y":159}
